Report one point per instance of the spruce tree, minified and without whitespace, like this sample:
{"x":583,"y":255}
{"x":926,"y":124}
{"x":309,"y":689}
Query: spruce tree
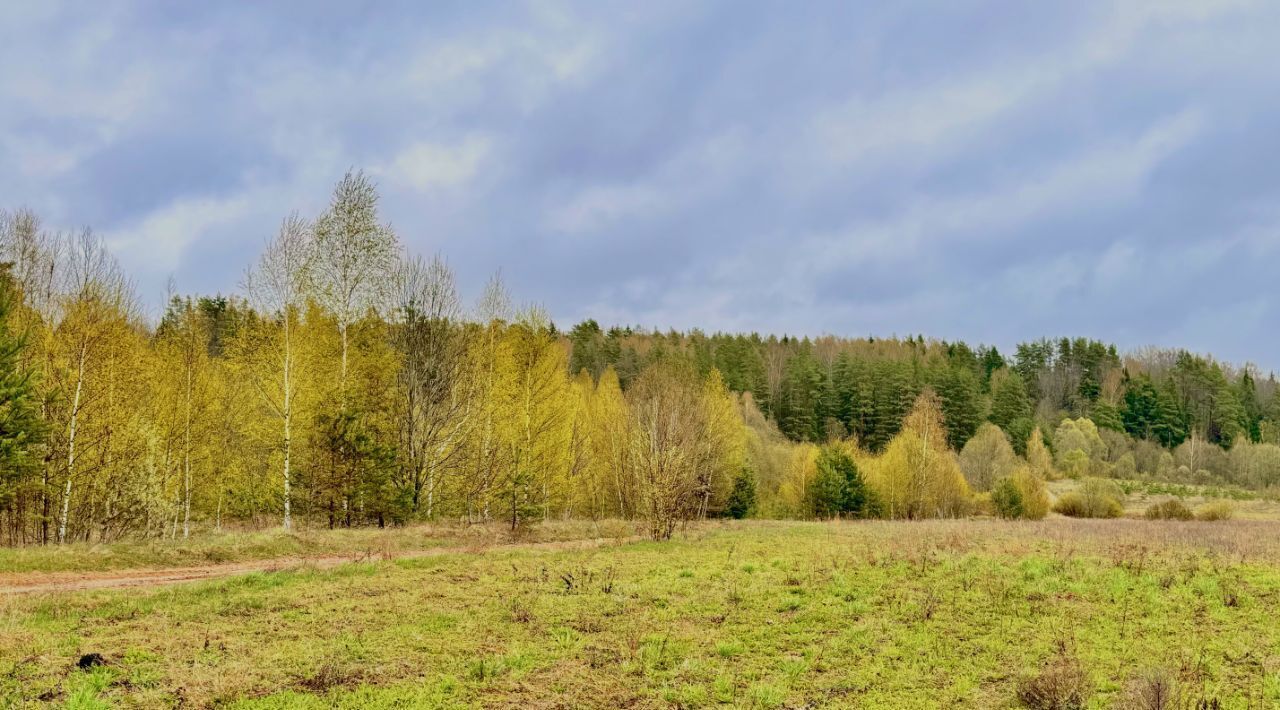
{"x":1009,"y":400}
{"x":961,"y":408}
{"x":838,"y":488}
{"x":21,"y":429}
{"x":742,"y":499}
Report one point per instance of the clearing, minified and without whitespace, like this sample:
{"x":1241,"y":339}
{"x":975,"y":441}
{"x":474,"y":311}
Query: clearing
{"x":786,"y":614}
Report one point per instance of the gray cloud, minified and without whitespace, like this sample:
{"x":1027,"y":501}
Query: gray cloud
{"x":968,"y":170}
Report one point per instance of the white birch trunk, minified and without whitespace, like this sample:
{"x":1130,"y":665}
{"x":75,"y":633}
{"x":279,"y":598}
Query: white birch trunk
{"x":71,"y":446}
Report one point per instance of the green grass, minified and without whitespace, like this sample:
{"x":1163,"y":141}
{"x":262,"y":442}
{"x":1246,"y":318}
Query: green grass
{"x":874,"y":614}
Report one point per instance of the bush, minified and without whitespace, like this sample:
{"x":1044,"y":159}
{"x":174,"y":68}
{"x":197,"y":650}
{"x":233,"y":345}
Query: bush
{"x":1062,"y":684}
{"x":1006,"y":499}
{"x":1035,"y":497}
{"x":1218,"y":510}
{"x":1172,"y":509}
{"x":981,"y":504}
{"x":1075,"y":505}
{"x":1096,"y":498}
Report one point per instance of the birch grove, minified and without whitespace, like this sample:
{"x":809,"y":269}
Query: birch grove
{"x":345,"y":385}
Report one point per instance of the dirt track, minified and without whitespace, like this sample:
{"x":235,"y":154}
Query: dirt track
{"x":54,"y":582}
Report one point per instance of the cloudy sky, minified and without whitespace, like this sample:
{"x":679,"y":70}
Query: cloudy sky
{"x":992,"y":171}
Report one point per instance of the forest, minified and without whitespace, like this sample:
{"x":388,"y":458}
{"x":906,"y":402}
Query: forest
{"x":347,"y":384}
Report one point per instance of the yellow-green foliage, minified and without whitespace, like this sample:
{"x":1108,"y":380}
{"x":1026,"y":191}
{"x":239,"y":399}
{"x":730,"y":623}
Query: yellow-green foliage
{"x":1079,"y":448}
{"x":799,"y":471}
{"x":917,"y":476}
{"x":1172,"y":509}
{"x":1035,"y":497}
{"x":1038,"y":457}
{"x":987,"y":457}
{"x":783,"y":468}
{"x":1215,"y":511}
{"x":1022,"y":495}
{"x":1096,"y":498}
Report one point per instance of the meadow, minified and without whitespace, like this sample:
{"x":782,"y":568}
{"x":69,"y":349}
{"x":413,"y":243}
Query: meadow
{"x":963,"y":613}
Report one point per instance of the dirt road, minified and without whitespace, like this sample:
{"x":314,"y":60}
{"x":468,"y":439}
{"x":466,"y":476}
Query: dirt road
{"x":57,"y":582}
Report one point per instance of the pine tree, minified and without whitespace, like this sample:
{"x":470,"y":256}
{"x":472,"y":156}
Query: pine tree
{"x":892,"y":396}
{"x":1141,"y":411}
{"x":1011,"y":408}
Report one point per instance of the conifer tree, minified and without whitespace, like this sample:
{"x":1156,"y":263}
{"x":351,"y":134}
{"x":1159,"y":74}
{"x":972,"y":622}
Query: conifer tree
{"x":21,"y":428}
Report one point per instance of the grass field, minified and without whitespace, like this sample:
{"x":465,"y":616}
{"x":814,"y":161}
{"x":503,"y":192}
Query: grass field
{"x":868,"y":614}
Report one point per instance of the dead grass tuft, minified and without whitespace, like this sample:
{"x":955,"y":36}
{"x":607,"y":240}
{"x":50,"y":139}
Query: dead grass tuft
{"x":1062,"y":684}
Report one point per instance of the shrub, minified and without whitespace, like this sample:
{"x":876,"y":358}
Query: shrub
{"x":1007,"y":499}
{"x":1071,"y":505}
{"x":1074,"y":463}
{"x":742,"y":499}
{"x":1096,"y":498}
{"x":1218,"y":510}
{"x":1075,"y":505}
{"x":981,"y":504}
{"x":1062,"y":684}
{"x":1172,"y":509}
{"x":1035,"y":497}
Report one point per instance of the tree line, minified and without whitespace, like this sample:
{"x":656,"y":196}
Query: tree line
{"x":346,"y":383}
{"x":1165,"y":414}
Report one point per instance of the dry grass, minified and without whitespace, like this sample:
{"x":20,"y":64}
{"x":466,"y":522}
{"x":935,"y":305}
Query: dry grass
{"x":361,"y":544}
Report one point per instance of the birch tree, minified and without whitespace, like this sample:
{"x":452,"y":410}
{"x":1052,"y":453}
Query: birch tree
{"x":276,"y":286}
{"x":610,"y":441}
{"x":183,"y":340}
{"x":96,"y":305}
{"x":917,"y":476}
{"x":489,"y":358}
{"x":354,"y":258}
{"x":435,"y":398}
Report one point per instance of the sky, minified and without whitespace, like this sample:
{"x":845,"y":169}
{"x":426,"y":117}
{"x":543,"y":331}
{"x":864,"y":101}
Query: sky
{"x":987,"y":171}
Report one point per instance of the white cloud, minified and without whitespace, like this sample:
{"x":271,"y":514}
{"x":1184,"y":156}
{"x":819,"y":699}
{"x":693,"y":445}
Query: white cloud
{"x":157,"y":241}
{"x":427,"y":165}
